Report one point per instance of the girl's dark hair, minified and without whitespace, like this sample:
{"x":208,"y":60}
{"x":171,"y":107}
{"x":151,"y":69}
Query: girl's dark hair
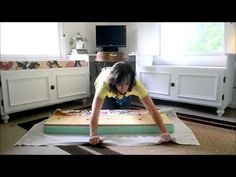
{"x":120,"y":71}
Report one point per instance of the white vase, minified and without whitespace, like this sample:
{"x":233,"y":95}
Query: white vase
{"x":80,"y":45}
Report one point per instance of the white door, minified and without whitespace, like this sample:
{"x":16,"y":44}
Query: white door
{"x":157,"y":80}
{"x":71,"y":84}
{"x":26,"y":89}
{"x":200,"y":86}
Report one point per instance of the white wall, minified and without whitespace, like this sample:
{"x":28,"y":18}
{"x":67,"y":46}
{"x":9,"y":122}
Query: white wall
{"x":230,"y":38}
{"x":141,"y":37}
{"x":148,"y":38}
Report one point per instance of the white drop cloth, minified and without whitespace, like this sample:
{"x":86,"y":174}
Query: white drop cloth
{"x":182,"y":135}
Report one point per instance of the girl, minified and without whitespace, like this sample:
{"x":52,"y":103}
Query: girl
{"x":113,"y":90}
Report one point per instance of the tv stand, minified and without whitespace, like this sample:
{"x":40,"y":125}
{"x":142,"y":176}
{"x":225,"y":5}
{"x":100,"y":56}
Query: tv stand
{"x":110,"y":56}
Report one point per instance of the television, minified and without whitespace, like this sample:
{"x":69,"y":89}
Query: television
{"x":110,"y":37}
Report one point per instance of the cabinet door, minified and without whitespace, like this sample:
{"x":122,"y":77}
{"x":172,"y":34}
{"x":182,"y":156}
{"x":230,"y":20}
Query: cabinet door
{"x":157,"y":81}
{"x":201,"y":86}
{"x":71,"y":84}
{"x":25,"y":89}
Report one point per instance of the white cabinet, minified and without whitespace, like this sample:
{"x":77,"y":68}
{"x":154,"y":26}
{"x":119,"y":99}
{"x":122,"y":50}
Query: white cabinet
{"x":208,"y":86}
{"x":28,"y":89}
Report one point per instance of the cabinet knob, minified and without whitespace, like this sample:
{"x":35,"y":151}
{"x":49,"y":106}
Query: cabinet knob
{"x":52,"y":87}
{"x":172,"y":84}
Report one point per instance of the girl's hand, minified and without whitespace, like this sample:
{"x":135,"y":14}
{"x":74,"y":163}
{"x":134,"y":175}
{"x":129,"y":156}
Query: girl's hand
{"x":94,"y":140}
{"x":165,"y":137}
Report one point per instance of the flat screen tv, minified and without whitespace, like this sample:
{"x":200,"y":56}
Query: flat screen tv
{"x":110,"y":37}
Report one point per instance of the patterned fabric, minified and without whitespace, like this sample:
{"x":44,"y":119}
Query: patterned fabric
{"x":19,"y":65}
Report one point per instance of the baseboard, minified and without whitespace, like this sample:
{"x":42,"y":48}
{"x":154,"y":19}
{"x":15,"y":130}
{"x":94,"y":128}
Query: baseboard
{"x":87,"y":106}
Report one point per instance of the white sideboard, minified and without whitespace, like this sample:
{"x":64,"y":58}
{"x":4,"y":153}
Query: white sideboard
{"x":200,"y":85}
{"x":27,"y":89}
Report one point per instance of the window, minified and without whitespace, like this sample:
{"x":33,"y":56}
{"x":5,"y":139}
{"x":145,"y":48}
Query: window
{"x":36,"y":40}
{"x":178,"y":39}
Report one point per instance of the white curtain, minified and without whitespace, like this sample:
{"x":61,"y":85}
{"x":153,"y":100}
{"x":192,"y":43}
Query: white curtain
{"x":230,"y":38}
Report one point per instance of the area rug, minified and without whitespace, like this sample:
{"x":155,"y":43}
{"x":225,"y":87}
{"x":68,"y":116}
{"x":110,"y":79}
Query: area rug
{"x":87,"y":149}
{"x":28,"y":125}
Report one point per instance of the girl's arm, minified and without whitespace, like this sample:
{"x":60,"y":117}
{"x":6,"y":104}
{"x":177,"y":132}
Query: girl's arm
{"x":148,"y":103}
{"x":96,"y":107}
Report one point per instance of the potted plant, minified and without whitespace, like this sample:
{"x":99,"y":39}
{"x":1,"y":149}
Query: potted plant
{"x":77,"y":41}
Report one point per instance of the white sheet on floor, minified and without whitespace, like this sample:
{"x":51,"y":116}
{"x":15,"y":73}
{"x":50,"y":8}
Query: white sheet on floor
{"x":182,"y":135}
